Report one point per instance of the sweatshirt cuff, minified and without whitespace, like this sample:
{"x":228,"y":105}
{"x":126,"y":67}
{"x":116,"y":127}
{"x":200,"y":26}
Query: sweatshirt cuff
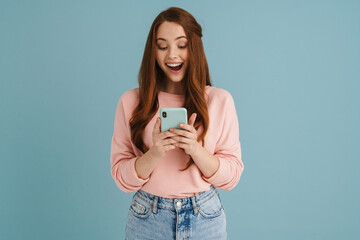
{"x":131,"y":174}
{"x":217,"y":177}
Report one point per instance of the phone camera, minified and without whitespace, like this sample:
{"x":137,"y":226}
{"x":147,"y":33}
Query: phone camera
{"x":164,"y":114}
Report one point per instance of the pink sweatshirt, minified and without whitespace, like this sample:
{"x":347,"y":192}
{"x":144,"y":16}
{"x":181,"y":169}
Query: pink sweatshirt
{"x":222,"y":140}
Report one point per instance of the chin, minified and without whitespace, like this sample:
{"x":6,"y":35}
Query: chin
{"x":176,"y":80}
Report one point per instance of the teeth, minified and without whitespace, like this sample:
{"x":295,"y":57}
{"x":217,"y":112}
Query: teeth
{"x":173,"y":64}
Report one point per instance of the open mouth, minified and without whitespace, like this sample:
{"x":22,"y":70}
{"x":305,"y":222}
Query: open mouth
{"x":176,"y":67}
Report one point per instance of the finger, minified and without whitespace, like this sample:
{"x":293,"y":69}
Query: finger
{"x":157,"y":125}
{"x":192,"y":119}
{"x":180,"y":132}
{"x":190,"y":128}
{"x":184,"y":133}
{"x":181,"y":145}
{"x":168,"y":141}
{"x":169,"y":147}
{"x":167,"y":134}
{"x":164,"y":136}
{"x":180,"y":139}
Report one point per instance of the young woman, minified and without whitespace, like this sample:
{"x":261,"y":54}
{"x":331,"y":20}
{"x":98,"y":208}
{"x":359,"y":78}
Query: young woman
{"x":175,"y":173}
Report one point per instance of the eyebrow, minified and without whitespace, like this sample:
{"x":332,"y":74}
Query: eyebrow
{"x":175,"y":38}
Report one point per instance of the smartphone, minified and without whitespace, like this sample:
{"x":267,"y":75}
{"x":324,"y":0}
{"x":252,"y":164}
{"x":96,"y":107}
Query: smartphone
{"x":172,"y":117}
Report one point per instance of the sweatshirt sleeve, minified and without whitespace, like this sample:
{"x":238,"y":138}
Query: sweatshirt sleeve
{"x":122,"y":156}
{"x":227,"y":148}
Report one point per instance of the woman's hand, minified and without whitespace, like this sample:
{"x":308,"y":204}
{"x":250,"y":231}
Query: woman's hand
{"x":187,"y":138}
{"x":162,"y":141}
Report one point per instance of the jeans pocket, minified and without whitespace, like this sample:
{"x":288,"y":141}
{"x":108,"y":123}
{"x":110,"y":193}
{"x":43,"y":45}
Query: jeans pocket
{"x":140,"y":208}
{"x":211,"y":208}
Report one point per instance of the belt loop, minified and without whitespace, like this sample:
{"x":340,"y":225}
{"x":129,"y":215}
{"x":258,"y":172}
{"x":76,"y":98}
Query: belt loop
{"x":194,"y":205}
{"x":155,"y":204}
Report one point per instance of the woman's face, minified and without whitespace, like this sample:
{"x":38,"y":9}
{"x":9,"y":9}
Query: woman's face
{"x":171,"y":51}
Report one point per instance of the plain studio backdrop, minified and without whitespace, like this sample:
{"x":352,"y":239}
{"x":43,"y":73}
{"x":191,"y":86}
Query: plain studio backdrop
{"x":292,"y":68}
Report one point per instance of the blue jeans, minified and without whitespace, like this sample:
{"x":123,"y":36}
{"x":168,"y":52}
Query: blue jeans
{"x":199,"y":217}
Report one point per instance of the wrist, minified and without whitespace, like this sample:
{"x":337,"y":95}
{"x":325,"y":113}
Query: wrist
{"x":197,"y":150}
{"x":153,"y":154}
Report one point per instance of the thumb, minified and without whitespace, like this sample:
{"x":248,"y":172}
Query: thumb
{"x":157,"y":125}
{"x":192,"y":119}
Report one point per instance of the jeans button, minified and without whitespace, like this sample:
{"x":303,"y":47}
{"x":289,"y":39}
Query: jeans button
{"x":178,"y":204}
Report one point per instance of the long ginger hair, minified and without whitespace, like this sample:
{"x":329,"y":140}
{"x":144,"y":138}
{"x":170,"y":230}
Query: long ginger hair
{"x":150,"y":78}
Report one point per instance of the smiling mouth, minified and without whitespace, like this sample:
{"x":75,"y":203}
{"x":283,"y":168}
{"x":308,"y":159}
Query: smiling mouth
{"x":175,"y":67}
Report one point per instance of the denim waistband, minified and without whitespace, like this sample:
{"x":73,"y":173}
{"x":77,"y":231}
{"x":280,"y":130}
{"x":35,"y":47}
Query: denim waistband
{"x":176,"y":204}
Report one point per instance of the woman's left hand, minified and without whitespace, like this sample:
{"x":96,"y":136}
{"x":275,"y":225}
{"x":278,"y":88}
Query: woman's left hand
{"x":186,"y":138}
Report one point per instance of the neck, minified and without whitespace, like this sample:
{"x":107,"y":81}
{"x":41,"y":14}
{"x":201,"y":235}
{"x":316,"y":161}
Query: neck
{"x":174,"y":88}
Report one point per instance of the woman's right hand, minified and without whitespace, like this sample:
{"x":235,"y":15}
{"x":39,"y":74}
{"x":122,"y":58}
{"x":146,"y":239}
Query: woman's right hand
{"x":146,"y":163}
{"x":162,"y":141}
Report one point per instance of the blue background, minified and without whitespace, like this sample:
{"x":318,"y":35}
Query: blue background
{"x":292,"y":68}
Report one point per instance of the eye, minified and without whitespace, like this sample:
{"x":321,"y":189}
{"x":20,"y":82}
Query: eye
{"x":182,"y":47}
{"x":162,"y":48}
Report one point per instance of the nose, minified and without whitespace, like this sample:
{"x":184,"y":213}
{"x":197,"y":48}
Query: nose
{"x":173,"y":53}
